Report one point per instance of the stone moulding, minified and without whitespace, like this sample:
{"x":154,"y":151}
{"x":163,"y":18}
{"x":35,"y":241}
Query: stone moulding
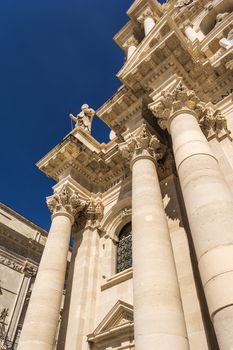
{"x":117,"y":323}
{"x":118,"y":278}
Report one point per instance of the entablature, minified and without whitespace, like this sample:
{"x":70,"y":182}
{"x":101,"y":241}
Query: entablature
{"x":96,"y":166}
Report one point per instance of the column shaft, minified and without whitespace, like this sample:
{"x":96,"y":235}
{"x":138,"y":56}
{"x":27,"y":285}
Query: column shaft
{"x":209,"y":206}
{"x":42,"y":316}
{"x":84,"y":288}
{"x":131,"y":50}
{"x":158,"y":315}
{"x":149,"y":23}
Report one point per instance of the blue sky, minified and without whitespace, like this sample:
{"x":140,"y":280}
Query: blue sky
{"x":55,"y":55}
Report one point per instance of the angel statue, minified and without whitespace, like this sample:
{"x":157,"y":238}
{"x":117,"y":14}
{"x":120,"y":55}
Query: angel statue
{"x":84,"y":118}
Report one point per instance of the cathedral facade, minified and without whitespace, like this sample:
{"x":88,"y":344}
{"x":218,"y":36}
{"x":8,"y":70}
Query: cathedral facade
{"x":151,"y":211}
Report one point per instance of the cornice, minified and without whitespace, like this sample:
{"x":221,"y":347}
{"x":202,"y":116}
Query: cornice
{"x":23,"y":219}
{"x":31,"y":244}
{"x":95,"y":169}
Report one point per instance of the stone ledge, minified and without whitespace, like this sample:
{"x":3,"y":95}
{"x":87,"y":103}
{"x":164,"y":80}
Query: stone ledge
{"x":118,"y":278}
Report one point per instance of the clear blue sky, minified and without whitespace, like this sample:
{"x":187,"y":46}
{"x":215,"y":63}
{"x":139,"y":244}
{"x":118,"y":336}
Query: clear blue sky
{"x":55,"y":56}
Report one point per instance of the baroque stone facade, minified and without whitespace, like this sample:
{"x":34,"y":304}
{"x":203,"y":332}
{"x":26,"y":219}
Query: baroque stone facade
{"x":21,"y":247}
{"x":151,"y":211}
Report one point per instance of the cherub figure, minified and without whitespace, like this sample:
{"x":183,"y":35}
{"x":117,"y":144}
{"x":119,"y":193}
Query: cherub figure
{"x":84,"y":118}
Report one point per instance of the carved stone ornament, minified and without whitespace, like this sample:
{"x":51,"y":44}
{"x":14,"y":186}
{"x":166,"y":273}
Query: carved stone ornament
{"x":182,"y":3}
{"x":229,"y":65}
{"x":220,"y":17}
{"x":132,"y":41}
{"x":65,"y":201}
{"x":84,"y":118}
{"x":142,"y":144}
{"x":227,"y":42}
{"x":146,"y":13}
{"x":179,"y":99}
{"x":213,"y":123}
{"x":11,"y":264}
{"x":3,"y":314}
{"x":30,"y":270}
{"x":94,"y":211}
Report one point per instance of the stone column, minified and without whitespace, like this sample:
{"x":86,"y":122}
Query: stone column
{"x":158,"y":315}
{"x":131,"y":46}
{"x":209,"y":205}
{"x":191,"y":33}
{"x":42,"y":316}
{"x":147,"y":19}
{"x":80,"y":305}
{"x":214,"y":127}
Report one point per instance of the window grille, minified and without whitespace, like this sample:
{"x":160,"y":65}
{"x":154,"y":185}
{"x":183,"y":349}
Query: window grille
{"x":124,"y":248}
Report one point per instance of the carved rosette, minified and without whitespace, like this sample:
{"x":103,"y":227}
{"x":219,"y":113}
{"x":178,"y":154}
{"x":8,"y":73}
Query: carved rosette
{"x":146,"y":13}
{"x":171,"y":102}
{"x":142,"y":144}
{"x":213,"y":123}
{"x":66,"y":201}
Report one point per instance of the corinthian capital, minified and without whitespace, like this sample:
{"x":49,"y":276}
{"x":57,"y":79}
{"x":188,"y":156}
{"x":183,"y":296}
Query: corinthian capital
{"x":146,"y":13}
{"x":213,"y":123}
{"x":65,"y":200}
{"x":142,"y":144}
{"x":171,"y":102}
{"x":132,"y":41}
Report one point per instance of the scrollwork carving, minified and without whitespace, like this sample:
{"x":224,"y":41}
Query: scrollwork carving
{"x":142,"y":144}
{"x":132,"y":41}
{"x":179,"y":99}
{"x":65,"y":200}
{"x":11,"y":264}
{"x":229,"y":65}
{"x":213,"y":123}
{"x":94,"y":211}
{"x":146,"y":13}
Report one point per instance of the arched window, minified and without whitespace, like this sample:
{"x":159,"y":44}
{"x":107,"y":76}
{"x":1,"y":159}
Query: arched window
{"x":124,"y":248}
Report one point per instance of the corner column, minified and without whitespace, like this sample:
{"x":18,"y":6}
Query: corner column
{"x":131,"y":46}
{"x":83,"y":278}
{"x":147,"y":19}
{"x":209,"y":205}
{"x":158,"y":315}
{"x":39,"y":330}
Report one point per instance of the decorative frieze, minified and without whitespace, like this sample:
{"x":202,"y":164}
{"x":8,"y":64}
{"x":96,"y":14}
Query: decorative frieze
{"x":11,"y":264}
{"x":142,"y":144}
{"x":65,"y":200}
{"x":171,"y":102}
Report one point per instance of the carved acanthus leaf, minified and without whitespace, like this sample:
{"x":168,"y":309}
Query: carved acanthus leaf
{"x":65,"y":200}
{"x":171,"y":102}
{"x":94,"y":211}
{"x":213,"y":123}
{"x":146,"y":13}
{"x":229,"y":65}
{"x":142,"y":143}
{"x":132,"y":41}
